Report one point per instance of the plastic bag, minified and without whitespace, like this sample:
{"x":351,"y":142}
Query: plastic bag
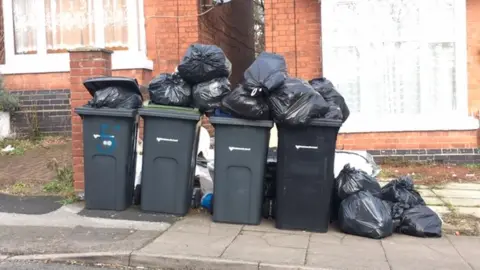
{"x":116,"y":98}
{"x":351,"y":181}
{"x":363,"y":214}
{"x":241,"y":104}
{"x":267,"y":73}
{"x":208,"y":96}
{"x":331,"y":95}
{"x":203,"y":63}
{"x":296,"y":103}
{"x":334,"y":112}
{"x":170,"y":89}
{"x":402,"y":191}
{"x":421,"y":221}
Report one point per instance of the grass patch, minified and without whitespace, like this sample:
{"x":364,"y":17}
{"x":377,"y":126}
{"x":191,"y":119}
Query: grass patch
{"x":472,"y":166}
{"x":62,"y":184}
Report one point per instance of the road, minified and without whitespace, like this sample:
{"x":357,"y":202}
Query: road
{"x":25,"y":265}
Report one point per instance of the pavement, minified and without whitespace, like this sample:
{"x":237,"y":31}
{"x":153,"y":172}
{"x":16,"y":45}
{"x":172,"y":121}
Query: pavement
{"x":142,"y":240}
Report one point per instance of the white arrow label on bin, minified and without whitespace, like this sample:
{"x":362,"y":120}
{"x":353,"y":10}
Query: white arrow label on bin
{"x":96,"y":136}
{"x":232,"y":148}
{"x":166,"y":140}
{"x":306,"y":147}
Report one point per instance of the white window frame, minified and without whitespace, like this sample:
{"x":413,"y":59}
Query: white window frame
{"x":42,"y":62}
{"x":458,"y":120}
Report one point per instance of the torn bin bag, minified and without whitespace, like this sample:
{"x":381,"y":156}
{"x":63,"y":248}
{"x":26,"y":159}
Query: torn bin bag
{"x":421,"y":221}
{"x":203,"y":63}
{"x":267,"y":73}
{"x":331,"y":95}
{"x":365,"y":215}
{"x":351,"y":180}
{"x":115,"y":97}
{"x":170,"y":89}
{"x":208,"y":96}
{"x":240,"y":103}
{"x":296,"y":103}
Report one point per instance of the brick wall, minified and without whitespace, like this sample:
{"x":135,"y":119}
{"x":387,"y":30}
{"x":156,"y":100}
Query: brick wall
{"x":293,"y":29}
{"x":45,"y":111}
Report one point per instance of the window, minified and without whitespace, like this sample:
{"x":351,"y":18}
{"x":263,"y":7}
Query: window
{"x":400,"y":64}
{"x":44,"y":30}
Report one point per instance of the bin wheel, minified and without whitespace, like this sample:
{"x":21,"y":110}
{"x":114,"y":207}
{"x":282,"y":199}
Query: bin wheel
{"x":136,"y":195}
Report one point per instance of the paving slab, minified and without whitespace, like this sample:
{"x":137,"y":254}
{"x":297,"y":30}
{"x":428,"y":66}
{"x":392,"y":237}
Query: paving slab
{"x":426,"y":193}
{"x":457,"y":193}
{"x":278,"y":248}
{"x":406,"y":252}
{"x":462,"y":186}
{"x":433,"y":201}
{"x":269,"y":226}
{"x":440,"y":210}
{"x":474,"y":211}
{"x":188,"y":262}
{"x":19,"y":240}
{"x":195,"y":235}
{"x":469,"y":248}
{"x":333,"y":250}
{"x":466,"y":202}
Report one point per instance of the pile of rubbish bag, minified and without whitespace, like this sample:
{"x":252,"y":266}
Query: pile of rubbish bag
{"x":368,"y":210}
{"x":200,"y":81}
{"x":267,"y":91}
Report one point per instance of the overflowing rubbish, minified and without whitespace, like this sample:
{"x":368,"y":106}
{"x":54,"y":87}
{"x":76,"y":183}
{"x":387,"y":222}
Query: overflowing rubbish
{"x":240,"y":103}
{"x":203,"y":63}
{"x":365,"y":215}
{"x":351,"y":181}
{"x":420,"y":221}
{"x":207,"y":96}
{"x":269,"y":187}
{"x":296,"y":103}
{"x":331,"y":95}
{"x":170,"y":89}
{"x":267,"y":73}
{"x":402,"y":191}
{"x":115,"y":97}
{"x":360,"y":160}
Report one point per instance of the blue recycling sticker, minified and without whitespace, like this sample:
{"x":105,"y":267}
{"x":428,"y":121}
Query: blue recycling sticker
{"x":105,"y":140}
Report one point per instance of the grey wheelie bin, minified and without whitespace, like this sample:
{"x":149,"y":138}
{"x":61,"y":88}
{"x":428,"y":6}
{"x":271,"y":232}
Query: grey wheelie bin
{"x":306,"y":157}
{"x":170,"y":144}
{"x":109,"y":141}
{"x":241,"y":148}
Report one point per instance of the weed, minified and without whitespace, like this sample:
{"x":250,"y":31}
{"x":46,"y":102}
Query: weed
{"x":472,"y":166}
{"x":63,"y":182}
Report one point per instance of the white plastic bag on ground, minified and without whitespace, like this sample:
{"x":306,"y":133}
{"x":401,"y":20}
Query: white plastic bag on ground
{"x":203,"y":173}
{"x":138,"y":165}
{"x":360,"y":160}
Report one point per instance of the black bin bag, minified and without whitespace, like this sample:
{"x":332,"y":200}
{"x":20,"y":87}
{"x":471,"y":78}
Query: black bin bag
{"x":267,"y":73}
{"x":365,"y":215}
{"x":350,"y":181}
{"x":203,"y":63}
{"x":402,"y":191}
{"x":241,"y":104}
{"x":170,"y":89}
{"x":115,"y":97}
{"x":420,"y":221}
{"x":331,"y":95}
{"x":208,"y":96}
{"x":296,"y":103}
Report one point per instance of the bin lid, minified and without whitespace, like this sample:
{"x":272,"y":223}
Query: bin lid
{"x":95,"y":84}
{"x":170,"y":112}
{"x":240,"y":122}
{"x":105,"y":112}
{"x":317,"y":122}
